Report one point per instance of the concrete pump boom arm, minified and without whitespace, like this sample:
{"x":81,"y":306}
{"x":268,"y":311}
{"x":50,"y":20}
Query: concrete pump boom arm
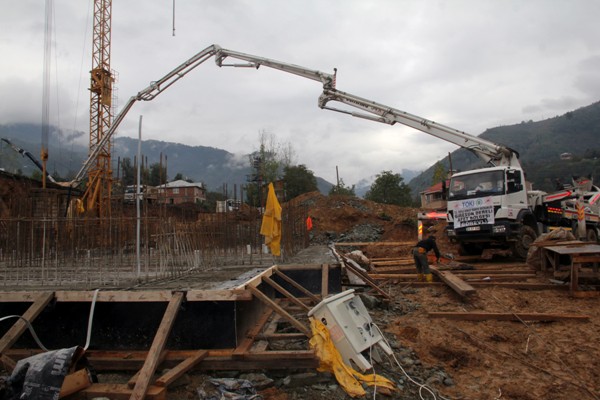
{"x":183,"y":69}
{"x":25,"y":153}
{"x":489,"y":152}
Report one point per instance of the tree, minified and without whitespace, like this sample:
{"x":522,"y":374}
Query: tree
{"x":389,"y":188}
{"x":268,"y":163}
{"x":158,"y":175}
{"x":129,"y":173}
{"x":178,"y":177}
{"x":297,"y":180}
{"x":439,"y":173}
{"x":342,"y":190}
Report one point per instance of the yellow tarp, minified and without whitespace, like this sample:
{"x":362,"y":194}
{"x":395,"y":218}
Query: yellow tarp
{"x":271,"y":222}
{"x":330,"y":360}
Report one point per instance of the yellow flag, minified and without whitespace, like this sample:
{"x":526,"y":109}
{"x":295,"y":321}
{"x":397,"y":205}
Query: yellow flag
{"x":271,"y":223}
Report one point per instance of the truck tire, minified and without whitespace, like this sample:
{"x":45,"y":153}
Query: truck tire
{"x":526,"y":237}
{"x":591,"y":235}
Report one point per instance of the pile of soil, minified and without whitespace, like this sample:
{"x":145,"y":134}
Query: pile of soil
{"x":351,"y":219}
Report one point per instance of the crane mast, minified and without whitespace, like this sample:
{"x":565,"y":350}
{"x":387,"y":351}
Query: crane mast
{"x":98,"y":191}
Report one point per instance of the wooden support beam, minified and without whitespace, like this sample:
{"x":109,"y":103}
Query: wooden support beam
{"x":455,"y":283}
{"x":297,"y":285}
{"x":270,"y":303}
{"x":325,"y":281}
{"x":133,"y":380}
{"x":158,"y":345}
{"x":243,"y":347}
{"x":365,"y":277}
{"x":481,"y":316}
{"x":261,"y":343}
{"x":15,"y":332}
{"x":287,"y":294}
{"x":217,"y":360}
{"x":174,"y":373}
{"x":280,"y":336}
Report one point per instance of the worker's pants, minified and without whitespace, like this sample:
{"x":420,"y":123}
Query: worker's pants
{"x":421,"y":261}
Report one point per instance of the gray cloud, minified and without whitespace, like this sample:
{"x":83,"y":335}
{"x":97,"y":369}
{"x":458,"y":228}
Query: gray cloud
{"x":469,"y":65}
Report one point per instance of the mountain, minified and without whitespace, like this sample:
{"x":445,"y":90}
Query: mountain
{"x":539,"y":145}
{"x":215,"y":167}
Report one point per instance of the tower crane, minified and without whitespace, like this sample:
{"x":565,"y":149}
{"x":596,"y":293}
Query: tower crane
{"x":98,"y":191}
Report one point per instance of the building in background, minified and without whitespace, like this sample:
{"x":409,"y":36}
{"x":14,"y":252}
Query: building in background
{"x":179,"y":192}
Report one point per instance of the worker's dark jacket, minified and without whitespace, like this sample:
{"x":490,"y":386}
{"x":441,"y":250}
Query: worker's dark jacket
{"x":429,"y":244}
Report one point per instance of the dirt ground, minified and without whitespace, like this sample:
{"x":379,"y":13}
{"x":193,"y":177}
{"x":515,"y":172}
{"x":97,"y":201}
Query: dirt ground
{"x":523,"y":360}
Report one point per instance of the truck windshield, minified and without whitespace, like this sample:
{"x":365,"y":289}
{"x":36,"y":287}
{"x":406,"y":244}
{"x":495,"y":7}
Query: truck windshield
{"x":477,"y":184}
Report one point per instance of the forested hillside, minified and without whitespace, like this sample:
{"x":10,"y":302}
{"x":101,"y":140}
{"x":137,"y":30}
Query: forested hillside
{"x":540,"y":145}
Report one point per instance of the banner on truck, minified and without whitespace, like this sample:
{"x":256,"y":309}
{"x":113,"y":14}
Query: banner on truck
{"x":473,"y":212}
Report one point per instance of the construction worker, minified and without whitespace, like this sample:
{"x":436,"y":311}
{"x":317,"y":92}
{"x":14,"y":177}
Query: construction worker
{"x":420,"y":256}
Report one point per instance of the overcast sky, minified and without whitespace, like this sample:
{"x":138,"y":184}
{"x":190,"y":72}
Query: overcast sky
{"x":471,"y":65}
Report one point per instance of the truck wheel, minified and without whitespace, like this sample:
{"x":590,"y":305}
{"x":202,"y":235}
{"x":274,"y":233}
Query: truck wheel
{"x":591,"y":235}
{"x":526,"y":237}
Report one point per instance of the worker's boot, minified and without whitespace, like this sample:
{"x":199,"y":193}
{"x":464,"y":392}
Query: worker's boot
{"x":428,"y":278}
{"x":420,"y":278}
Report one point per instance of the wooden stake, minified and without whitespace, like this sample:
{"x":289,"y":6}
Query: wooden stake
{"x":151,"y":363}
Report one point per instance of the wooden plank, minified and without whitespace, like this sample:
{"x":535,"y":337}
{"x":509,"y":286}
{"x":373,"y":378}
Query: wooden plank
{"x":341,"y":244}
{"x":280,"y":336}
{"x":18,"y":297}
{"x":364,"y":276}
{"x":325,"y":281}
{"x":297,"y":286}
{"x":496,"y":278}
{"x":298,"y":267}
{"x":15,"y":331}
{"x":284,"y":292}
{"x":455,"y":283}
{"x":481,"y":316}
{"x":261,"y":344}
{"x":219,"y":359}
{"x":115,"y":391}
{"x":75,"y":382}
{"x":255,"y":281}
{"x":394,"y":276}
{"x":574,"y":281}
{"x":586,"y":259}
{"x":489,"y":271}
{"x":398,"y":263}
{"x":175,"y":373}
{"x":158,"y":345}
{"x":521,"y":285}
{"x":218,"y":295}
{"x":270,"y":303}
{"x":133,"y":380}
{"x":114,"y":296}
{"x":243,"y":347}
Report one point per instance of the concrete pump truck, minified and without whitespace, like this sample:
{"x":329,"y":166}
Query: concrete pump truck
{"x":493,"y":206}
{"x":486,"y":207}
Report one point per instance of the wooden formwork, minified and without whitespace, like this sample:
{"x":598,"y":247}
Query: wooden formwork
{"x":139,"y":331}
